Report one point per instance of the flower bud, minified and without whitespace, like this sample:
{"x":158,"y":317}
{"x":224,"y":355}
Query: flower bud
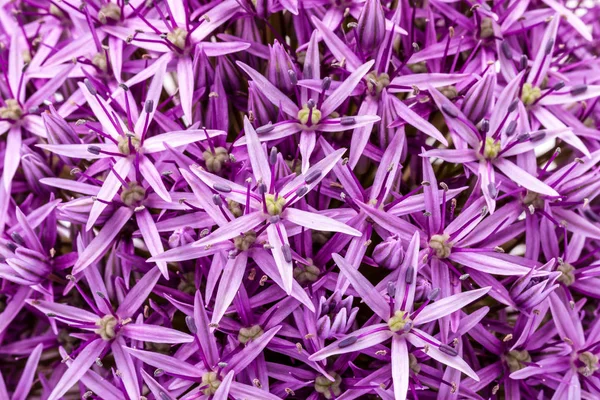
{"x":371,"y":25}
{"x":278,"y":70}
{"x":479,"y":98}
{"x":389,"y":254}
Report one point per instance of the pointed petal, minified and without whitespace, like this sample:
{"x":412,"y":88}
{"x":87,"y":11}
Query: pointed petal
{"x":178,"y":138}
{"x":232,"y":229}
{"x":98,"y":246}
{"x":571,"y":18}
{"x":270,"y":91}
{"x":222,"y":392}
{"x":205,"y":337}
{"x":109,"y":189}
{"x":12,"y":155}
{"x":138,"y":294}
{"x":541,"y":63}
{"x":78,"y":368}
{"x":523,"y":178}
{"x":339,"y":95}
{"x":258,"y":157}
{"x":338,"y":48}
{"x":169,"y":364}
{"x":64,"y":310}
{"x":152,"y":238}
{"x":155,"y":334}
{"x":154,"y":179}
{"x":455,"y":362}
{"x":232,"y":277}
{"x":185,"y":76}
{"x":318,"y":222}
{"x":410,"y":264}
{"x":239,"y":361}
{"x":26,"y":380}
{"x":412,"y":118}
{"x":367,"y":292}
{"x":400,"y":367}
{"x":284,"y":267}
{"x":125,"y":365}
{"x":369,"y":337}
{"x":448,"y":305}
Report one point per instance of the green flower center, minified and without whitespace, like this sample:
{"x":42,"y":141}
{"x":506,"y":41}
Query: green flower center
{"x":492,"y":148}
{"x":12,"y":110}
{"x":211,"y":382}
{"x":328,"y":388}
{"x":109,"y":11}
{"x":99,"y":60}
{"x":243,"y":242}
{"x":133,"y":195}
{"x":398,"y":321}
{"x":247,"y":334}
{"x":567,"y":276}
{"x":123,"y":144}
{"x":590,"y":363}
{"x":516,"y":359}
{"x":376,"y":83}
{"x":530,"y":94}
{"x":305,"y":113}
{"x":533,"y":199}
{"x":307,"y":273}
{"x":214,"y":161}
{"x":487,"y":28}
{"x":439,"y":243}
{"x":106,"y":328}
{"x":274,"y":206}
{"x":177,"y":36}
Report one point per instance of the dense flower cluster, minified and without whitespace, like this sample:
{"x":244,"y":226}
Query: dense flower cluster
{"x":301,"y":199}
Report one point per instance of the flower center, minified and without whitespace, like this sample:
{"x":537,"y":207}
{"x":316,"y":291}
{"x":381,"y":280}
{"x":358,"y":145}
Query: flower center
{"x":177,"y":36}
{"x":123,"y":145}
{"x":491,"y":149}
{"x":99,"y":60}
{"x":533,"y":199}
{"x":516,"y":359}
{"x":214,"y":161}
{"x":274,"y":206}
{"x":106,"y":328}
{"x":109,"y":11}
{"x":567,"y":276}
{"x":307,"y":273}
{"x":12,"y":110}
{"x":530,"y":94}
{"x":328,"y":388}
{"x":399,"y":321}
{"x":243,"y":242}
{"x":211,"y":381}
{"x":133,"y":195}
{"x":376,"y":83}
{"x":247,"y":334}
{"x":487,"y":28}
{"x":309,"y":114}
{"x":235,"y":208}
{"x":439,"y":243}
{"x":450,"y":92}
{"x":590,"y":363}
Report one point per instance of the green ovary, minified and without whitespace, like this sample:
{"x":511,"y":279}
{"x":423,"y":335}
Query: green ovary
{"x":305,"y":113}
{"x":439,"y":243}
{"x":327,"y":388}
{"x":530,"y":94}
{"x":247,"y":334}
{"x":212,"y":382}
{"x":274,"y":206}
{"x":398,"y":321}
